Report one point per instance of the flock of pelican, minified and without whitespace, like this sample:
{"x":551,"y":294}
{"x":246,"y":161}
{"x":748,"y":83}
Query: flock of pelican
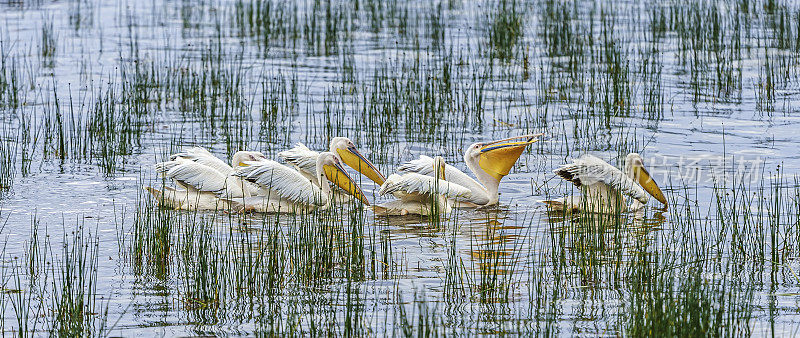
{"x":426,"y":186}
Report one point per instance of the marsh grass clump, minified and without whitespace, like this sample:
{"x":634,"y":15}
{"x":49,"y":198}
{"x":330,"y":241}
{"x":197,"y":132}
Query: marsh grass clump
{"x":279,"y":105}
{"x":152,"y":240}
{"x":8,"y":160}
{"x":47,"y":44}
{"x":76,"y":308}
{"x":81,"y":14}
{"x":248,"y":268}
{"x":10,"y":82}
{"x":269,"y":23}
{"x":496,"y":262}
{"x":505,"y":28}
{"x":683,"y":303}
{"x":114,"y":130}
{"x":316,"y":28}
{"x":401,"y":79}
{"x":53,"y":291}
{"x":565,"y":33}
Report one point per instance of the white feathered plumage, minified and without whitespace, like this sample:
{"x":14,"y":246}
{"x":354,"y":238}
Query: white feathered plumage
{"x":202,"y":178}
{"x":287,"y":183}
{"x":421,"y":194}
{"x":417,"y":184}
{"x":588,"y":170}
{"x":603,"y":186}
{"x":424,"y":165}
{"x":290,"y":190}
{"x":303,"y":159}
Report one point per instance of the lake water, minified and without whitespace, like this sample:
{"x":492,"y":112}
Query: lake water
{"x":94,"y":93}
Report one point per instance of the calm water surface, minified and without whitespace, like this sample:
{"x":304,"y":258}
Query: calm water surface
{"x":705,"y":91}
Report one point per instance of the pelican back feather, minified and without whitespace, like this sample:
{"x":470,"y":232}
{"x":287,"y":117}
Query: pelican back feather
{"x":589,"y":170}
{"x":414,"y":183}
{"x":282,"y":180}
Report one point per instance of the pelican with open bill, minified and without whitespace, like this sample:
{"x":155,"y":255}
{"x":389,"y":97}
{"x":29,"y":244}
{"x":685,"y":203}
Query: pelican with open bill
{"x":603,"y":186}
{"x":488,"y":161}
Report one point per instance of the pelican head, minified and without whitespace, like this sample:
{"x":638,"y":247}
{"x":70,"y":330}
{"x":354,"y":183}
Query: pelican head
{"x":347,"y":152}
{"x":496,"y":158}
{"x":330,"y":168}
{"x":241,"y":157}
{"x":634,"y":168}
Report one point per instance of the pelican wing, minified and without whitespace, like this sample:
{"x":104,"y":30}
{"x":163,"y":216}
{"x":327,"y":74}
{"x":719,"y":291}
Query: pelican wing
{"x":589,"y":170}
{"x":284,"y":181}
{"x":198,"y":176}
{"x":204,"y":157}
{"x":424,"y":166}
{"x":418,"y":184}
{"x":303,"y":159}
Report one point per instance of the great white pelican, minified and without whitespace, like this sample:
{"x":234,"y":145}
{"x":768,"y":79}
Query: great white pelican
{"x":488,"y":161}
{"x":202,"y":178}
{"x":291,"y":191}
{"x":420,"y":194}
{"x":305,"y":160}
{"x":603,"y":186}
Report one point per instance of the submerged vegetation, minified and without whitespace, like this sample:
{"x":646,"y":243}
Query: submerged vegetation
{"x":93,"y":93}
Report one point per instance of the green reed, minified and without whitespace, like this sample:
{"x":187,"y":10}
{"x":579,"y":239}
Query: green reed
{"x":47,"y":44}
{"x":505,"y":28}
{"x":54,"y":291}
{"x":10,"y":82}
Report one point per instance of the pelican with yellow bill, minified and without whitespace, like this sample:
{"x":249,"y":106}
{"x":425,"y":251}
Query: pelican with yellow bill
{"x":289,"y":191}
{"x":603,"y":186}
{"x":305,"y":160}
{"x":488,"y":161}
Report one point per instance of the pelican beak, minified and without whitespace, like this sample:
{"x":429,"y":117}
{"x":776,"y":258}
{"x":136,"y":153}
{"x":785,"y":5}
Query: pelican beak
{"x":498,"y":157}
{"x":336,"y":174}
{"x":647,"y":182}
{"x":355,"y":160}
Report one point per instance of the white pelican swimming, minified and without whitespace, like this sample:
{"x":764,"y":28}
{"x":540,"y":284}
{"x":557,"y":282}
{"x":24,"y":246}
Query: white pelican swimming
{"x":489,"y":161}
{"x":291,"y":191}
{"x":603,"y":186}
{"x":305,"y":160}
{"x":421,"y":194}
{"x":202,"y":178}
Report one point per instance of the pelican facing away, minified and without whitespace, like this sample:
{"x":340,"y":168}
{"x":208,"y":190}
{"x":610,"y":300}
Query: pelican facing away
{"x":489,"y":161}
{"x":420,"y":194}
{"x":603,"y":185}
{"x":305,"y":160}
{"x":290,"y":191}
{"x":202,"y":178}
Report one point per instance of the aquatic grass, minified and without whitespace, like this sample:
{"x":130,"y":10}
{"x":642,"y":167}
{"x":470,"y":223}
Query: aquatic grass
{"x":81,"y":14}
{"x":10,"y":82}
{"x":8,"y":160}
{"x":315,"y":28}
{"x":76,"y":310}
{"x":505,"y":28}
{"x":235,"y":268}
{"x":47,"y":44}
{"x":150,"y":245}
{"x":403,"y":79}
{"x":53,"y":291}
